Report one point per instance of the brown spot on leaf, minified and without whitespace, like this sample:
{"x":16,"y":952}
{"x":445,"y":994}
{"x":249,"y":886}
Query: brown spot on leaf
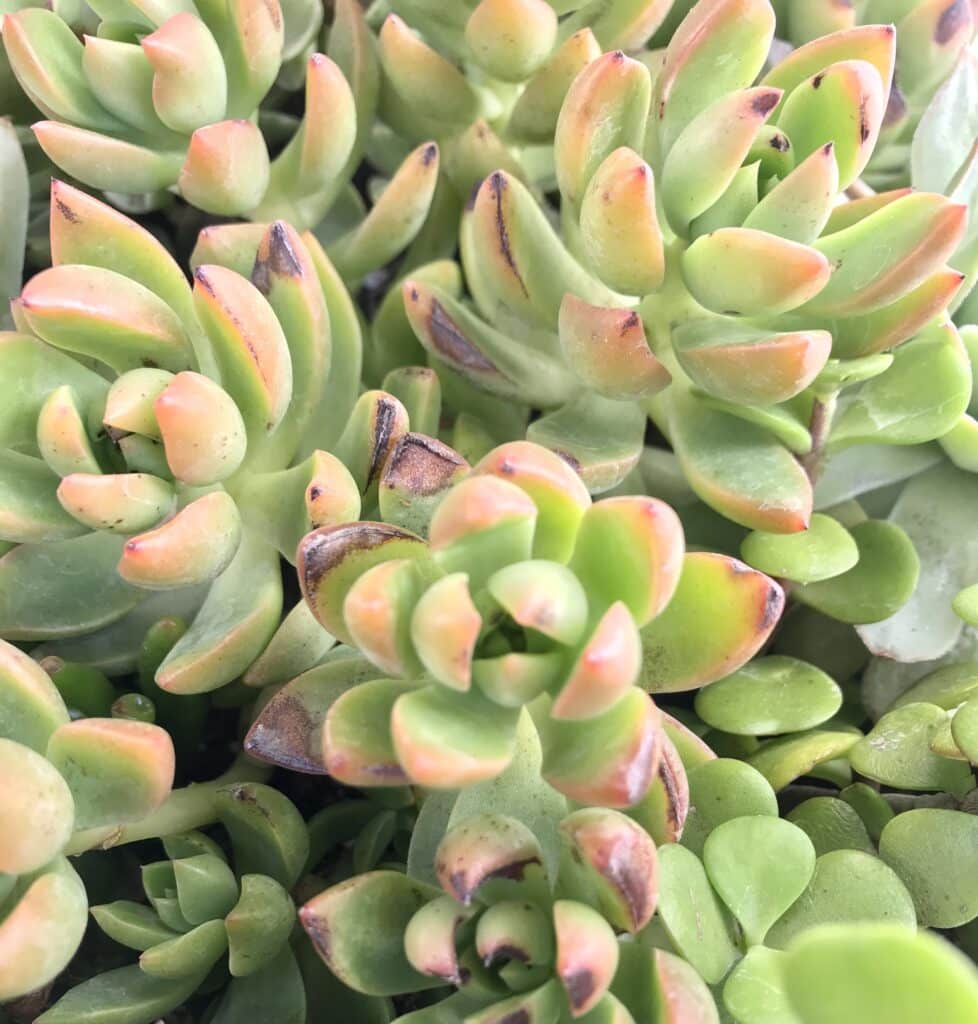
{"x":276,"y":258}
{"x":780,"y":142}
{"x":66,"y":211}
{"x":817,"y":80}
{"x":580,"y":986}
{"x":497,"y":185}
{"x":429,"y":154}
{"x":516,"y":1017}
{"x":453,"y":343}
{"x":281,"y":736}
{"x":385,"y":419}
{"x":318,"y":931}
{"x":763,"y":104}
{"x":773,"y":607}
{"x":321,"y":551}
{"x":421,"y":465}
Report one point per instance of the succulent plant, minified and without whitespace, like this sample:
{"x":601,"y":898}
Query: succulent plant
{"x":513,"y":938}
{"x":165,"y":96}
{"x":932,"y":36}
{"x":706,"y":274}
{"x":525,"y":593}
{"x":174,"y":442}
{"x":60,"y":775}
{"x":206,"y":921}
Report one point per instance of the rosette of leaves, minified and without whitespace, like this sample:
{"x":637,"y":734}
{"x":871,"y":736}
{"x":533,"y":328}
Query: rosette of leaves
{"x":486,"y":78}
{"x":164,"y":445}
{"x":931,"y":37}
{"x":166,"y":98}
{"x":707,"y":275}
{"x":524,"y":594}
{"x":209,"y":927}
{"x":517,"y":938}
{"x":60,"y":775}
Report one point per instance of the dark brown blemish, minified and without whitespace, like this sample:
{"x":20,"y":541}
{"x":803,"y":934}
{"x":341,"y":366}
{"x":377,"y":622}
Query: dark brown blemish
{"x":497,"y":185}
{"x":506,"y":951}
{"x":629,"y":323}
{"x":451,"y":342}
{"x":289,"y":726}
{"x":317,"y":930}
{"x":951,"y":22}
{"x":763,"y":105}
{"x":421,"y":465}
{"x":571,"y":460}
{"x":385,"y":418}
{"x":817,"y":80}
{"x":429,"y":154}
{"x":780,"y":143}
{"x":315,"y":492}
{"x":516,"y":1017}
{"x":201,"y":277}
{"x":773,"y":606}
{"x":277,"y":258}
{"x":580,"y":986}
{"x":66,"y":211}
{"x":864,"y":127}
{"x":463,"y":888}
{"x":329,"y":546}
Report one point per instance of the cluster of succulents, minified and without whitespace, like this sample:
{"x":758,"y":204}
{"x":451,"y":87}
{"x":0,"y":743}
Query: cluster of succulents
{"x":487,"y":522}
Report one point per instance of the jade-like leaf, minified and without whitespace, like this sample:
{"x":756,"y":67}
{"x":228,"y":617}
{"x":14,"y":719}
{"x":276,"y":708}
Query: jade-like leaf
{"x":357,"y":743}
{"x":880,"y":583}
{"x":925,"y":626}
{"x":37,"y":810}
{"x":692,"y":915}
{"x":133,"y":925}
{"x":754,"y":993}
{"x":781,"y":761}
{"x":847,"y":886}
{"x":897,"y":752}
{"x":831,"y":824}
{"x":824,"y":550}
{"x":125,"y":994}
{"x":274,"y":993}
{"x":519,"y":792}
{"x":933,"y":852}
{"x":358,"y":929}
{"x":720,"y":790}
{"x":740,"y":605}
{"x":118,"y":771}
{"x":187,"y":954}
{"x":769,"y":695}
{"x":268,"y":835}
{"x":31,"y":707}
{"x":759,"y":866}
{"x":878,"y":974}
{"x":234,"y":624}
{"x":289,"y":728}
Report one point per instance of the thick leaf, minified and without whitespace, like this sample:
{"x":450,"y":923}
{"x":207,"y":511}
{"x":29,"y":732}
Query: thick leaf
{"x":878,"y":974}
{"x":768,"y":696}
{"x":759,"y":866}
{"x":847,"y":886}
{"x":933,"y":851}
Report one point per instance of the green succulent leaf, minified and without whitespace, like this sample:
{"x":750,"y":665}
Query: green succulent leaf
{"x":878,"y":974}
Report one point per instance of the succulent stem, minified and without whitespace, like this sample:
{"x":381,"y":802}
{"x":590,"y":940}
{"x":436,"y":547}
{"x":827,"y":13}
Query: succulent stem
{"x":185,"y":809}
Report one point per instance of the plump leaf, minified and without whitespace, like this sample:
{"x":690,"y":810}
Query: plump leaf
{"x":878,"y":974}
{"x":933,"y":852}
{"x":759,"y":866}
